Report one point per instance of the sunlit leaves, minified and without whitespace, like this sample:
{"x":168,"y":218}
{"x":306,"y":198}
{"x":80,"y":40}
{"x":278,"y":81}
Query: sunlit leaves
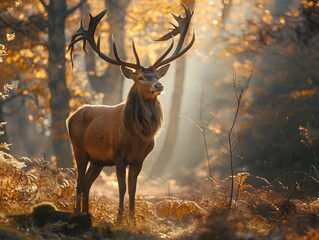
{"x":258,"y":212}
{"x":216,"y":128}
{"x":152,"y":25}
{"x":10,"y":36}
{"x":256,"y":224}
{"x":3,"y":52}
{"x":304,"y":93}
{"x":4,"y":145}
{"x":267,"y":18}
{"x":25,"y":59}
{"x":21,"y":189}
{"x":282,"y":20}
{"x":2,"y":124}
{"x":172,"y":207}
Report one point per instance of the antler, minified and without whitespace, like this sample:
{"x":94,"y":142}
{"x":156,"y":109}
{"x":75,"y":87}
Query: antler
{"x":182,"y":28}
{"x":88,"y":35}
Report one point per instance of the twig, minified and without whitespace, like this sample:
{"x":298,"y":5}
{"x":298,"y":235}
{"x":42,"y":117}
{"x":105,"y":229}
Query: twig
{"x":239,"y":186}
{"x":46,"y":7}
{"x":72,"y":9}
{"x":203,"y":130}
{"x":313,"y":167}
{"x":202,"y":125}
{"x":239,"y":94}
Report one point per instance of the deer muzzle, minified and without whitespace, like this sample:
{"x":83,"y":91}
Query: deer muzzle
{"x":157,"y":88}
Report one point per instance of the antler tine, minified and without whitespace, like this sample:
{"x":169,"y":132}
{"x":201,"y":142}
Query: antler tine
{"x":88,"y":35}
{"x":93,"y":22}
{"x":76,"y":38}
{"x":175,"y":56}
{"x":71,"y":49}
{"x":123,"y":63}
{"x":182,"y":29}
{"x":156,"y":64}
{"x":135,"y":54}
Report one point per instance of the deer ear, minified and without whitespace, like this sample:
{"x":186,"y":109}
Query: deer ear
{"x":128,"y":73}
{"x":163,"y":70}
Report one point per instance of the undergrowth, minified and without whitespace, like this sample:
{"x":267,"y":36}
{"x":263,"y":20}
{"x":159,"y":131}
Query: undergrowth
{"x":287,"y":208}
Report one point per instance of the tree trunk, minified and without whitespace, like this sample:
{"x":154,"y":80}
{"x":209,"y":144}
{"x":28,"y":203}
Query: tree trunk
{"x":172,"y":131}
{"x":173,"y":122}
{"x":111,"y":82}
{"x":117,"y":21}
{"x":60,"y":96}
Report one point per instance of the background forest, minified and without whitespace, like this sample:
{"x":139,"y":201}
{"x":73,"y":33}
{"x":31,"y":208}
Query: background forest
{"x":243,"y":101}
{"x":278,"y":122}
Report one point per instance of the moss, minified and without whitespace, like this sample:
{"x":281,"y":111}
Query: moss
{"x":12,"y":234}
{"x":42,"y":213}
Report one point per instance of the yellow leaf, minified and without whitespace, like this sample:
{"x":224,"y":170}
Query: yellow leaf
{"x":5,"y":146}
{"x":2,"y":124}
{"x":10,"y":36}
{"x":30,"y":117}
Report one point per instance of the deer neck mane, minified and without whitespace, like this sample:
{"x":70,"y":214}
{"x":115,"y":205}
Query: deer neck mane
{"x":142,"y":117}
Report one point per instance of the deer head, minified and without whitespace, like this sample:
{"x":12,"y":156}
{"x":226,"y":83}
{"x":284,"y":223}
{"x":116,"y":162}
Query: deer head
{"x":146,"y":79}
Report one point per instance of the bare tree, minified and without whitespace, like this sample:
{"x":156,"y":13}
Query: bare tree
{"x":173,"y":122}
{"x":60,"y":96}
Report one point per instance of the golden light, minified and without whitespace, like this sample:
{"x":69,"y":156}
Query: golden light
{"x":217,"y":129}
{"x":228,"y":26}
{"x":21,"y":16}
{"x":203,"y":28}
{"x":282,"y":20}
{"x":30,"y":117}
{"x":267,"y":12}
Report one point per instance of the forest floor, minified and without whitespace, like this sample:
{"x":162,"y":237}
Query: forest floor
{"x":287,"y":208}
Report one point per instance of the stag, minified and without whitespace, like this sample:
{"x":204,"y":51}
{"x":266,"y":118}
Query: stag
{"x":124,"y":134}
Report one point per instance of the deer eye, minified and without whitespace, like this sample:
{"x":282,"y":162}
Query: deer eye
{"x":140,"y":78}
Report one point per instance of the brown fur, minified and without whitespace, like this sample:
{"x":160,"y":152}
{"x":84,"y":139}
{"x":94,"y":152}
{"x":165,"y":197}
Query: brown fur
{"x":142,"y":118}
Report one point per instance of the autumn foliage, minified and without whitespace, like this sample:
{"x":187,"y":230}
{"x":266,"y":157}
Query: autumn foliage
{"x":286,"y":208}
{"x":275,"y":156}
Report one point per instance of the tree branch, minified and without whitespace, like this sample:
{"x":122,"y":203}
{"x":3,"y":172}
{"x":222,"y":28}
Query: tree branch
{"x":71,"y":10}
{"x":44,"y":5}
{"x":4,"y":23}
{"x":23,"y":27}
{"x":240,"y":97}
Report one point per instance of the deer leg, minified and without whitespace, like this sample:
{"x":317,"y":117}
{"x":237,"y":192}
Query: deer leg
{"x":81,"y":162}
{"x":92,"y":173}
{"x":134,"y":171}
{"x":121,"y":174}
